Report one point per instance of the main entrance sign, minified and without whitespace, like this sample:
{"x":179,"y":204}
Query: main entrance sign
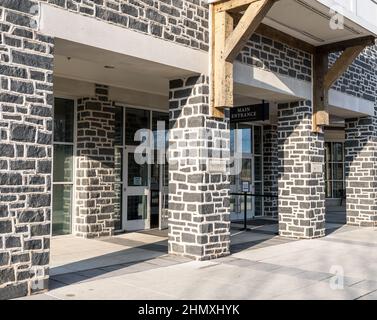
{"x":256,"y":112}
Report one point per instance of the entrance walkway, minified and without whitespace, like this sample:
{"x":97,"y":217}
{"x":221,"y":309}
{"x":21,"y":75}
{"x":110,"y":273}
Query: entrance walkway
{"x":262,"y":266}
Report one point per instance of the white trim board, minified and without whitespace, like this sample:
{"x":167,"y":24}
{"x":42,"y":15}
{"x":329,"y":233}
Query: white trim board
{"x":96,"y":33}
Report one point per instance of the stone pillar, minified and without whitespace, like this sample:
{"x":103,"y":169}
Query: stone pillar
{"x":95,"y":166}
{"x":361,"y":171}
{"x":26,"y":98}
{"x":270,"y":169}
{"x":199,"y":220}
{"x":301,"y":173}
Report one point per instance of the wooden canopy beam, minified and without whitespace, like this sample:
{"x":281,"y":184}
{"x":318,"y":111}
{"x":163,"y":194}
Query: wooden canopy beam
{"x":324,"y":77}
{"x":234,"y":5}
{"x":341,"y":64}
{"x":228,"y":41}
{"x":251,"y":19}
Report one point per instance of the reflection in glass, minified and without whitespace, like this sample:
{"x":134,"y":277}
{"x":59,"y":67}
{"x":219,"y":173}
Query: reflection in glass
{"x":257,"y":140}
{"x":338,"y":171}
{"x":136,"y":207}
{"x":61,"y":206}
{"x":258,"y":200}
{"x":328,"y":189}
{"x":338,"y":189}
{"x":328,"y":153}
{"x":63,"y":120}
{"x":137,"y":174}
{"x":258,"y":168}
{"x":118,"y":138}
{"x":63,"y":163}
{"x":118,"y":206}
{"x":135,"y":120}
{"x":246,"y":170}
{"x":337,"y":152}
{"x":246,"y":133}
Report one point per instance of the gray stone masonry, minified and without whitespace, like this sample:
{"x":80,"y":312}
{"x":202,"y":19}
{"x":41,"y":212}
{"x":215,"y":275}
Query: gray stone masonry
{"x":25,"y":150}
{"x":360,"y":79}
{"x":199,"y":220}
{"x":277,"y":57}
{"x":361,"y":171}
{"x":270,"y":169}
{"x":95,"y":166}
{"x":184,"y":22}
{"x":301,"y":173}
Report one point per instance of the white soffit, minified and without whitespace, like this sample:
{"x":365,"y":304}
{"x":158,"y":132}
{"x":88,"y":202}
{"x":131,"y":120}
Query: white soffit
{"x":96,"y":33}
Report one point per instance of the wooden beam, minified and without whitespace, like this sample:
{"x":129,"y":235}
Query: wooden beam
{"x":343,"y":45}
{"x":320,"y":96}
{"x":247,"y":25}
{"x":233,"y":5}
{"x":341,"y":64}
{"x":222,"y":71}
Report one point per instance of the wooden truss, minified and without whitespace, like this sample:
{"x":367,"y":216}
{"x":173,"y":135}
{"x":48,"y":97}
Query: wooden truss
{"x":324,"y":77}
{"x":228,"y":39}
{"x":234,"y":22}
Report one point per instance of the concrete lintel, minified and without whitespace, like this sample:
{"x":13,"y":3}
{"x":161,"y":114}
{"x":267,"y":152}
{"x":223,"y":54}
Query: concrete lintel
{"x":277,"y":87}
{"x":347,"y":105}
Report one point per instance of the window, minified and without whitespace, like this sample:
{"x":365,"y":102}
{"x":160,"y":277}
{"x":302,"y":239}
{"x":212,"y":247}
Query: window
{"x":63,"y":150}
{"x":334,"y":172}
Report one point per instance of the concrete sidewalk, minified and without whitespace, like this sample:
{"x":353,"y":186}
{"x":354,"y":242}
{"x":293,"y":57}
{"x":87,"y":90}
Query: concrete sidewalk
{"x":262,"y":266}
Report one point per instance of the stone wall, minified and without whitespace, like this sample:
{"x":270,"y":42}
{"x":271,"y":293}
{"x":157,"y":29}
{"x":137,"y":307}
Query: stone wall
{"x":301,"y":184}
{"x":360,"y":79}
{"x":361,"y":171}
{"x":277,"y":57}
{"x":95,"y":166}
{"x":181,"y":21}
{"x":25,"y":151}
{"x":199,"y":204}
{"x":270,"y":169}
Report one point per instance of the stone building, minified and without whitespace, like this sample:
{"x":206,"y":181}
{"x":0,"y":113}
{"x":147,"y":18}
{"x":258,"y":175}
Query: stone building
{"x":79,"y":78}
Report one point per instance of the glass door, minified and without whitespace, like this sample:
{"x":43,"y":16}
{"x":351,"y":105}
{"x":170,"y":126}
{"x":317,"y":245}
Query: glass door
{"x":251,"y":173}
{"x":136,"y":192}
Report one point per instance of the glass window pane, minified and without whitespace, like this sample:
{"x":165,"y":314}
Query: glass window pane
{"x":246,"y":133}
{"x":160,"y":120}
{"x":329,"y":171}
{"x":135,"y":120}
{"x":61,"y":209}
{"x":258,"y":140}
{"x":136,"y":207}
{"x":328,"y":153}
{"x":258,"y":200}
{"x":338,"y":171}
{"x":118,"y":164}
{"x":117,"y":200}
{"x":246,"y":170}
{"x":338,"y":189}
{"x":118,"y":138}
{"x":328,"y":189}
{"x":63,"y":163}
{"x":338,"y":152}
{"x":63,"y":120}
{"x":137,"y":174}
{"x":258,"y":170}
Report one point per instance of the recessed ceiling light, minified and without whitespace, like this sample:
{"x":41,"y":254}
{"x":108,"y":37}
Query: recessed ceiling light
{"x":109,"y":67}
